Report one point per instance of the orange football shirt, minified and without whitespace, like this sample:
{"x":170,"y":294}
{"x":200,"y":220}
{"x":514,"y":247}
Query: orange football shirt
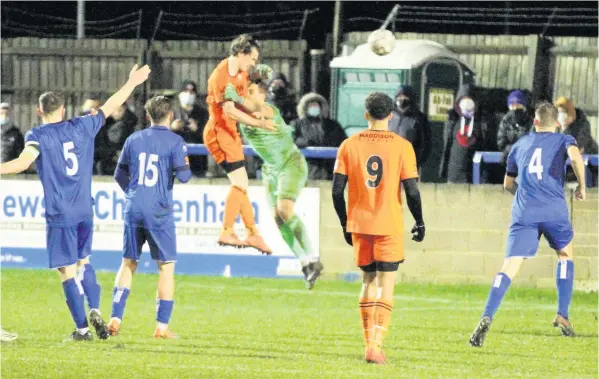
{"x":217,"y":82}
{"x":375,"y":163}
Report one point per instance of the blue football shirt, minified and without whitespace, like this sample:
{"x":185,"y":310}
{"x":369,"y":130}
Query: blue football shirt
{"x":65,"y":166}
{"x":539,"y":162}
{"x":151,"y":157}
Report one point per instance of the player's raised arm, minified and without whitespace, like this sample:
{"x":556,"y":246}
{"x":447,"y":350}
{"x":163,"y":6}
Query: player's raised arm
{"x":579,"y":170}
{"x":136,"y":77}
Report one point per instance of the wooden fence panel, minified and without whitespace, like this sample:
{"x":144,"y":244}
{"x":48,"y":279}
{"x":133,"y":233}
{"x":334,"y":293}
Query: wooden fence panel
{"x":178,"y":61}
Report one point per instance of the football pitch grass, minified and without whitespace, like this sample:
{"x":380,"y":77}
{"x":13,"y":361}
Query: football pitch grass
{"x":275,"y":328}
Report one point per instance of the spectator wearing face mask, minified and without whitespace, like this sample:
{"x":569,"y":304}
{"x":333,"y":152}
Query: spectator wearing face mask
{"x":12,"y":138}
{"x":463,"y":134}
{"x":111,"y":138}
{"x":190,"y":118}
{"x":280,"y":95}
{"x":574,"y":122}
{"x":516,"y":123}
{"x":315,"y":128}
{"x":409,"y":123}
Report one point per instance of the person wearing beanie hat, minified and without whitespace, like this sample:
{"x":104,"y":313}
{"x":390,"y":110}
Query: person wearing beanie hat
{"x":409,"y":123}
{"x":516,"y":123}
{"x":574,"y":122}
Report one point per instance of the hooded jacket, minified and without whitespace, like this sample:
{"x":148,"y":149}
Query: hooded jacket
{"x":318,"y":131}
{"x":12,"y":142}
{"x":462,"y":136}
{"x":412,"y":125}
{"x":514,"y":125}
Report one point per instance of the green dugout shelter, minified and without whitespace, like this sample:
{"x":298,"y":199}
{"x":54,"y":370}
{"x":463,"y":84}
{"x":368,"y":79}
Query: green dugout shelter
{"x":434,"y":72}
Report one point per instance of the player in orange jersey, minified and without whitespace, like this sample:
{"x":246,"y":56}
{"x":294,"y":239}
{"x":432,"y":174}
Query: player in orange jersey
{"x":224,"y":142}
{"x":374,"y":162}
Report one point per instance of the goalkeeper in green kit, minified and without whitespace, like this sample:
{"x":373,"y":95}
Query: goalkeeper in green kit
{"x":284,"y":172}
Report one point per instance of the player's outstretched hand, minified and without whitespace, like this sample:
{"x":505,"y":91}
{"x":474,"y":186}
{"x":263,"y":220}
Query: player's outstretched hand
{"x":232,"y":95}
{"x":418,"y":232}
{"x":268,"y":125}
{"x":261,"y":72}
{"x":347,"y":236}
{"x":138,"y":76}
{"x":580,"y":193}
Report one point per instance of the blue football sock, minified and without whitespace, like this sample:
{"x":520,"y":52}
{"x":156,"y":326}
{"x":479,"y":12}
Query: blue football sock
{"x":74,"y":294}
{"x":90,"y":286}
{"x":119,"y":300}
{"x":500,"y":285}
{"x":164,"y":309}
{"x":565,"y":283}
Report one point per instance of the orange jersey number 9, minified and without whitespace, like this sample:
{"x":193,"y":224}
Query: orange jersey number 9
{"x":374,"y":168}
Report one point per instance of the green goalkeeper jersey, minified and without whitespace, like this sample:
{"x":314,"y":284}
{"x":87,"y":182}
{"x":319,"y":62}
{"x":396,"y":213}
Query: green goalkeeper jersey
{"x":275,"y":148}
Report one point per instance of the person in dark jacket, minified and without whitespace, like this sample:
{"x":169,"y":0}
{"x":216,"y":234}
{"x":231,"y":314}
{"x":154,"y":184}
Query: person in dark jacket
{"x":574,"y":122}
{"x":411,"y":124}
{"x":516,"y":123}
{"x":464,"y":133}
{"x":12,"y":138}
{"x":315,"y":128}
{"x":111,"y":139}
{"x":280,"y":95}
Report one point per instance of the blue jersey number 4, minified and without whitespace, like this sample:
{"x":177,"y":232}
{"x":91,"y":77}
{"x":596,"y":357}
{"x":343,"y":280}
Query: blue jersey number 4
{"x":536,"y":164}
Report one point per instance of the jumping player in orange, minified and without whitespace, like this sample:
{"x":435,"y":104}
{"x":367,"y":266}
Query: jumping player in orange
{"x":224,"y":142}
{"x":374,"y":162}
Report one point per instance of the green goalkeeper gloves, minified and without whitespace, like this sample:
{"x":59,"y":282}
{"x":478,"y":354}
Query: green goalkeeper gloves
{"x":232,"y":95}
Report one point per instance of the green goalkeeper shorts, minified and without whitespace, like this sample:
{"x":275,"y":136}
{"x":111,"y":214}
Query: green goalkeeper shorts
{"x":288,"y":181}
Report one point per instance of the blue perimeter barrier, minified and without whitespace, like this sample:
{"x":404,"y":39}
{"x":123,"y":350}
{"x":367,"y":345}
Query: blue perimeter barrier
{"x":331,"y":153}
{"x":309,"y":152}
{"x":495,"y":157}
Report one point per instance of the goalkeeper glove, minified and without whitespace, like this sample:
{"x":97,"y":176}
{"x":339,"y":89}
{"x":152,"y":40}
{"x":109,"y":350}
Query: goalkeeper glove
{"x":418,"y":232}
{"x":261,"y":72}
{"x":232,"y":95}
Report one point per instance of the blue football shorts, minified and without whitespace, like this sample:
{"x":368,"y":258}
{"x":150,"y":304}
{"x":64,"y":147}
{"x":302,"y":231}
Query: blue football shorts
{"x":68,"y":244}
{"x":162,"y":242}
{"x":523,"y":239}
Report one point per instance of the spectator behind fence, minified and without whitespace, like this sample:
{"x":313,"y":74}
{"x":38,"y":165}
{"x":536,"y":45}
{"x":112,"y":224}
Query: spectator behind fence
{"x":190,"y":118}
{"x":516,"y":123}
{"x":281,"y":96}
{"x":111,"y":138}
{"x":464,"y":133}
{"x":314,"y":128}
{"x":409,"y":123}
{"x":12,"y":138}
{"x":91,"y":102}
{"x":574,"y":122}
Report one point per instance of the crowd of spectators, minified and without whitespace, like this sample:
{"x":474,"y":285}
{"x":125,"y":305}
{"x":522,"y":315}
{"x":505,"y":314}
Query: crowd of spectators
{"x":468,"y":129}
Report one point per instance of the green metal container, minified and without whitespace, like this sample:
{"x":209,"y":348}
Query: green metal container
{"x":434,"y":72}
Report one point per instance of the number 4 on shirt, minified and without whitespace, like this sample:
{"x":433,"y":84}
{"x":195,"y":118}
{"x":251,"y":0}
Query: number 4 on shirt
{"x":536,"y":164}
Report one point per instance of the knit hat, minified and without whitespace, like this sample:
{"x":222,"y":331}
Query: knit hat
{"x":568,"y":104}
{"x":4,"y":106}
{"x":517,"y":97}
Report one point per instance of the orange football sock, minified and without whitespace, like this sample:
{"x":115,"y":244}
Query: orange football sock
{"x":382,"y":319}
{"x":232,"y":207}
{"x":367,"y":307}
{"x":247,"y":214}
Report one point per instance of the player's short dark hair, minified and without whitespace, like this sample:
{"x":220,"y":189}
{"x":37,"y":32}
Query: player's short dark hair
{"x":379,"y":105}
{"x":50,"y":101}
{"x":158,"y":108}
{"x":243,"y":44}
{"x":546,"y":113}
{"x":262,"y":84}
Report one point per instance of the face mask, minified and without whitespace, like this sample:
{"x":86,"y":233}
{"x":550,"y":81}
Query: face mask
{"x":4,"y":120}
{"x":403,"y":103}
{"x":562,"y":117}
{"x":187,"y":98}
{"x":313,"y":111}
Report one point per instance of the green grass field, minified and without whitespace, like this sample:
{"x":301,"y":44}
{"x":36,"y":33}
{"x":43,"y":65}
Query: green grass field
{"x":252,"y":328}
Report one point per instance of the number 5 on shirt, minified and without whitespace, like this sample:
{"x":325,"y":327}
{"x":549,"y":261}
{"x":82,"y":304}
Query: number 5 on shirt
{"x":536,"y":164}
{"x":70,"y":156}
{"x":144,"y":179}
